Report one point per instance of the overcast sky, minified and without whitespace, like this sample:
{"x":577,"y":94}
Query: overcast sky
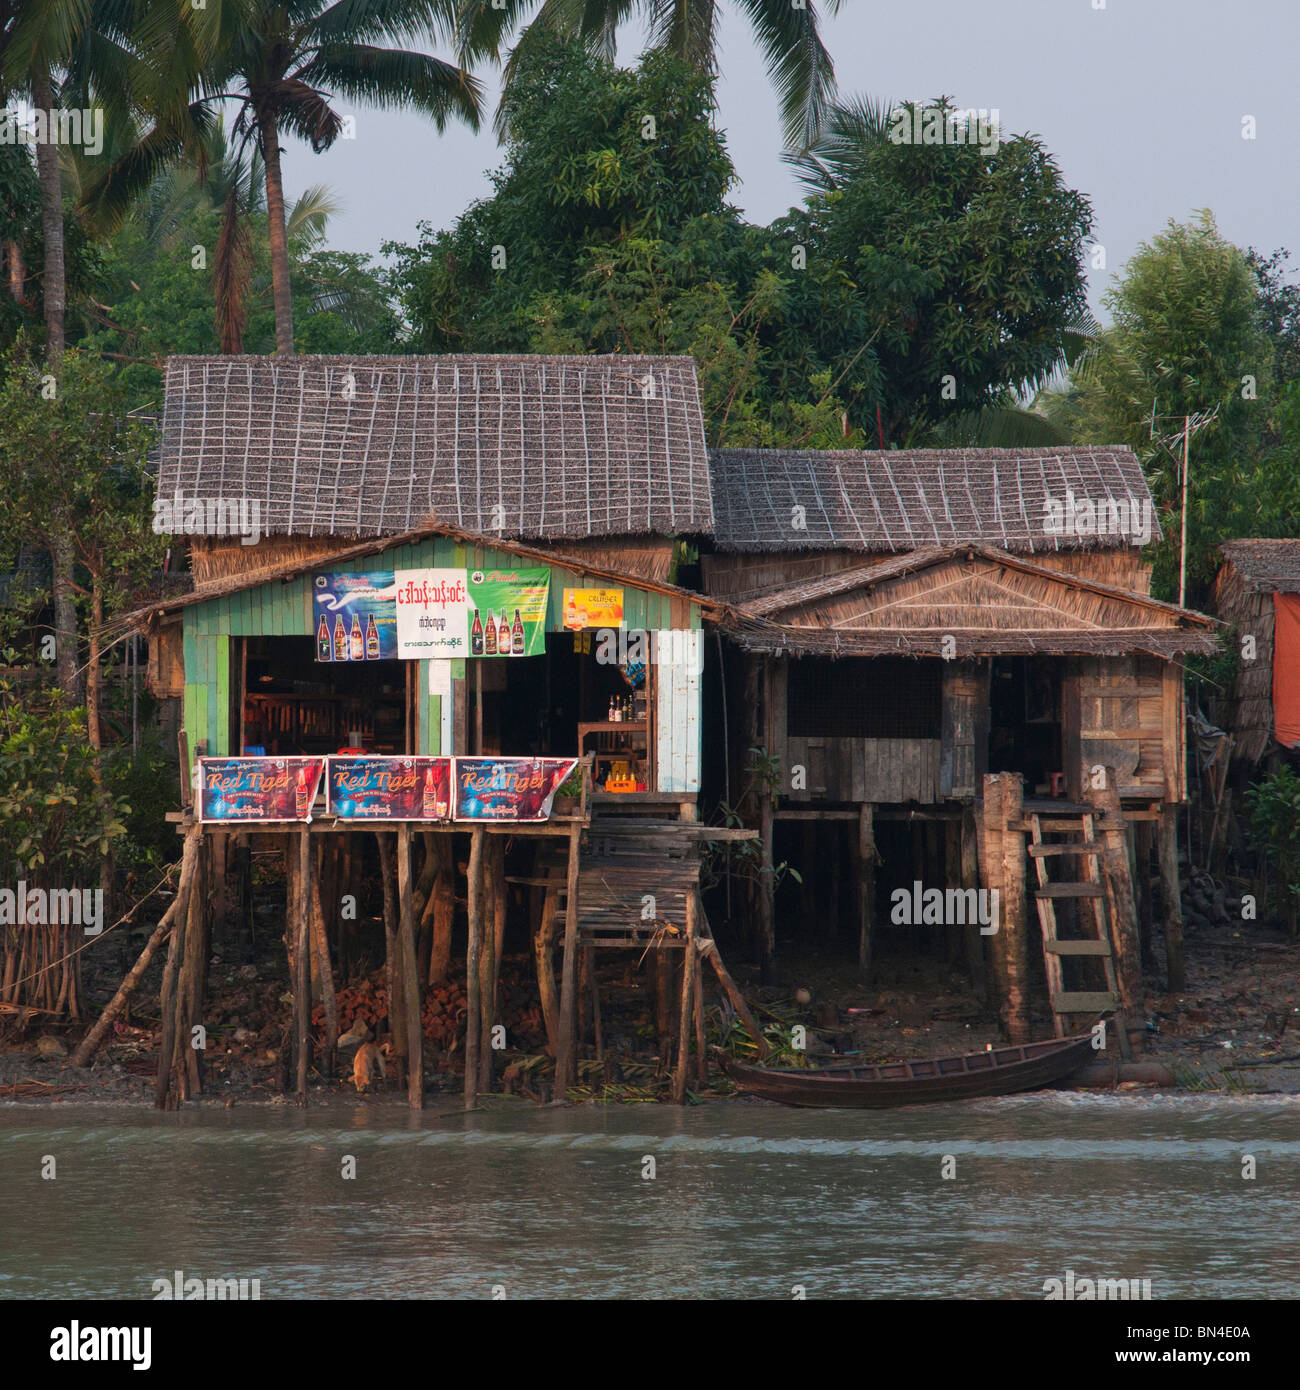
{"x":1142,"y":103}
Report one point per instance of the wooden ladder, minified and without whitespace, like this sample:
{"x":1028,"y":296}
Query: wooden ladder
{"x":1091,"y":890}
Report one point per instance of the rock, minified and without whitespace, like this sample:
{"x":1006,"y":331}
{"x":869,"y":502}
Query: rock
{"x":247,"y":972}
{"x":243,"y":1035}
{"x":50,"y":1047}
{"x":803,"y":997}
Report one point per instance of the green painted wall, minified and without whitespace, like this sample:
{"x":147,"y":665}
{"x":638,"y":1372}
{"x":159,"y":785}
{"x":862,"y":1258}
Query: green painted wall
{"x":281,"y":609}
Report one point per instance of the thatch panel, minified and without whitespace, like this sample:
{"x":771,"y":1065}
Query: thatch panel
{"x":644,"y":557}
{"x":1121,"y":569}
{"x":738,"y":576}
{"x":521,"y":447}
{"x":213,"y":559}
{"x":784,"y":500}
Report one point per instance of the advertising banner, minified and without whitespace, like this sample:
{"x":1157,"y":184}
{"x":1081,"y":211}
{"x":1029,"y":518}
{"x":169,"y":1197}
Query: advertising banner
{"x":593,"y":608}
{"x":509,"y":612}
{"x":252,"y":790}
{"x":508,"y":789}
{"x":375,"y":788}
{"x":355,"y":617}
{"x":432,"y":613}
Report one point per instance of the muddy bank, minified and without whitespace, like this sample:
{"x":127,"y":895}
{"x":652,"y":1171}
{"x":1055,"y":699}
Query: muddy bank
{"x":1236,"y":1028}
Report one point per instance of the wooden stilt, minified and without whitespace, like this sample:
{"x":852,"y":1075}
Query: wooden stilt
{"x":1143,"y":838}
{"x":709,"y":948}
{"x":970,"y":879}
{"x":1170,"y":891}
{"x":444,"y":906}
{"x":663,"y":968}
{"x":1013,"y":929}
{"x":90,"y":1044}
{"x":544,"y":949}
{"x":487,"y":961}
{"x":701,"y":1038}
{"x":189,"y":994}
{"x":766,"y":893}
{"x":302,"y":964}
{"x":566,"y":1061}
{"x":474,"y":895}
{"x":684,"y":1018}
{"x":392,"y":952}
{"x":595,"y":1002}
{"x":167,"y":1001}
{"x":866,"y":888}
{"x":324,"y":972}
{"x":410,"y":975}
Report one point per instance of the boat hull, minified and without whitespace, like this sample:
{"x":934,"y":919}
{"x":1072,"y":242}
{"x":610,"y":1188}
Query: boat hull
{"x":1002,"y":1071}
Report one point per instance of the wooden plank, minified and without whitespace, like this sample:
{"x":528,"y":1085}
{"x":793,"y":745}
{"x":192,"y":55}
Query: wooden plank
{"x":566,"y":1061}
{"x":1070,"y":890}
{"x":1047,"y":851}
{"x":1077,"y":948}
{"x":474,"y":910}
{"x":1085,"y":1002}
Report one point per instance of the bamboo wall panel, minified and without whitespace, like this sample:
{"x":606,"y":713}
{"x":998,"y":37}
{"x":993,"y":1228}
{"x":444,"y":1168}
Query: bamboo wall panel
{"x":1123,"y":721}
{"x":879,"y":770}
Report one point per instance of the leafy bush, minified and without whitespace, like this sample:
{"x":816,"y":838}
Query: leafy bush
{"x":1274,"y":808}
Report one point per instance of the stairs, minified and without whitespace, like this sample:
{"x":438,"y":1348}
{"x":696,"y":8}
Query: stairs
{"x":1078,"y":842}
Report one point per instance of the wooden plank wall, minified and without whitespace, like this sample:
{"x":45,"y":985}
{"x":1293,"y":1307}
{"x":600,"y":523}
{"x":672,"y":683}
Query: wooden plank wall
{"x":1128,"y":713}
{"x":880,"y":770}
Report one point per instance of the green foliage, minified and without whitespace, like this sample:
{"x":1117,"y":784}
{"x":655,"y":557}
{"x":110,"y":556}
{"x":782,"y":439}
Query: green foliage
{"x":932,"y":261}
{"x":144,"y":784}
{"x":1188,"y":329}
{"x":56,"y":821}
{"x":1274,"y":809}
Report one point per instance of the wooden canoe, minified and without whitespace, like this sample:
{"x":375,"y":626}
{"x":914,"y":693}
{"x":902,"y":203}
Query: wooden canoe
{"x":1002,"y":1071}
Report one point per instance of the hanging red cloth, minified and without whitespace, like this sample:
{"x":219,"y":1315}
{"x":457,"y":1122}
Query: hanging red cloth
{"x":1286,"y":669}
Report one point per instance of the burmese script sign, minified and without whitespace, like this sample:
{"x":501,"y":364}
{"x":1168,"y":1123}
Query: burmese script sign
{"x":255,"y":790}
{"x":508,"y":789}
{"x":389,"y":788}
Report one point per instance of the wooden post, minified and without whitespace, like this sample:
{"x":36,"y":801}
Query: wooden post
{"x":1170,"y":891}
{"x":544,"y":950}
{"x":392,"y":950}
{"x":1143,"y":838}
{"x":302,"y":963}
{"x":565,"y":1062}
{"x":324,"y":971}
{"x":766,"y":893}
{"x":167,"y":998}
{"x":90,"y":1044}
{"x":949,"y":833}
{"x":866,"y":887}
{"x":487,"y":967}
{"x":701,"y":1040}
{"x":444,"y":907}
{"x":595,"y":1001}
{"x":1014,"y":917}
{"x":189,"y":988}
{"x":1119,"y":899}
{"x":410,"y":975}
{"x":474,"y":876}
{"x":970,"y":879}
{"x":708,"y":947}
{"x":684,"y":1020}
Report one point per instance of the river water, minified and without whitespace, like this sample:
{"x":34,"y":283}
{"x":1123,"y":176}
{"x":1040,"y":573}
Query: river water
{"x":746,"y":1201}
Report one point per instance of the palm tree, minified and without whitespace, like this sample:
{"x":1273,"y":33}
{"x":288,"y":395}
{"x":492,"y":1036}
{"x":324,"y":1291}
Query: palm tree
{"x":284,"y":63}
{"x":796,"y":60}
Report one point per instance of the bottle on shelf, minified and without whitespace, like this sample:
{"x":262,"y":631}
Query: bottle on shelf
{"x":372,"y":639}
{"x":490,"y":637}
{"x":609,"y":712}
{"x":476,"y":635}
{"x":340,"y":639}
{"x":516,"y":636}
{"x":324,"y":645}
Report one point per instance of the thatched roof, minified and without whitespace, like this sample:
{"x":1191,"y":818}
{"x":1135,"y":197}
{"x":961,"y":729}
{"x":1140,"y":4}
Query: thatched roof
{"x":905,"y":499}
{"x":987,"y":601}
{"x":1271,"y":566}
{"x":529,"y":447}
